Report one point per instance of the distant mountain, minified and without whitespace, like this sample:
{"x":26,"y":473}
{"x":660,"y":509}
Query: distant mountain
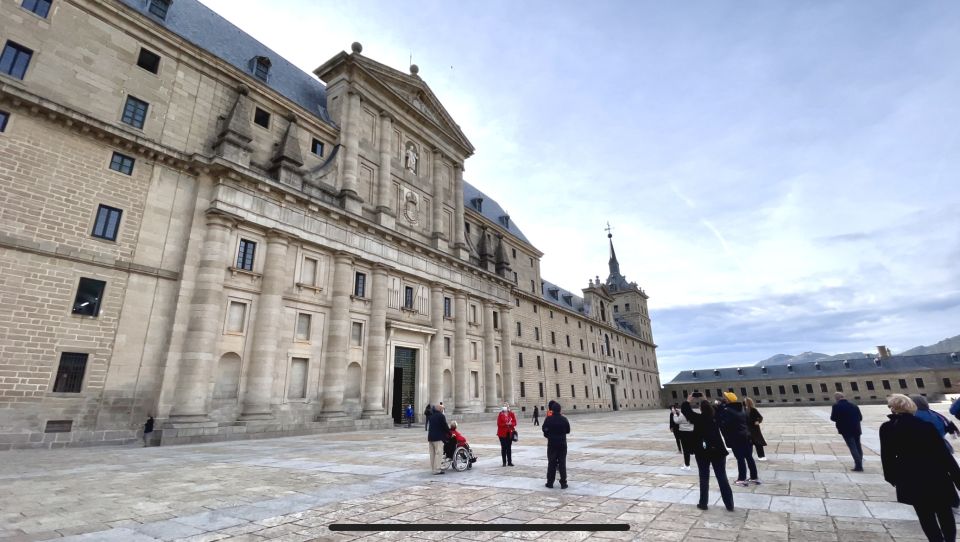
{"x":945,"y":346}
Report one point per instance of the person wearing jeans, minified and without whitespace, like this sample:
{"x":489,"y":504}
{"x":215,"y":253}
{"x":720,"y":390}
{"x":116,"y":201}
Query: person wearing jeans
{"x":847,"y":417}
{"x":733,"y":425}
{"x":709,"y":450}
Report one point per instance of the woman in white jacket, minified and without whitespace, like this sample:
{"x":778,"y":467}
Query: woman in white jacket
{"x":683,"y":429}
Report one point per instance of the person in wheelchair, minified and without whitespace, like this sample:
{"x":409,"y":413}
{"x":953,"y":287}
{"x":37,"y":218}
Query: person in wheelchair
{"x":457,"y":440}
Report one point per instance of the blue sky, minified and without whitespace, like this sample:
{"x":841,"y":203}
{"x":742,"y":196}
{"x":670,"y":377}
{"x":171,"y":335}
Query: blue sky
{"x":781,"y":176}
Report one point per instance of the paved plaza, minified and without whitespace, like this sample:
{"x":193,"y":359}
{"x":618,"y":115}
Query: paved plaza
{"x":623,"y":468}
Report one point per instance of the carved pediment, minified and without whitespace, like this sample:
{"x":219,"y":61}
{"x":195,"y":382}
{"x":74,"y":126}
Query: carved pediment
{"x":408,"y":90}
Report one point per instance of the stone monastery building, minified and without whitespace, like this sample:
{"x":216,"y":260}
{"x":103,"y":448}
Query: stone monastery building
{"x":193,"y":228}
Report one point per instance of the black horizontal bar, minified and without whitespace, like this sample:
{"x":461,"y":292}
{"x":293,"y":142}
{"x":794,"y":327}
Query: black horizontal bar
{"x":373,"y":527}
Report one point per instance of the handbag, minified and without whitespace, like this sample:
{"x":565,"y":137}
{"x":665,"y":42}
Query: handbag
{"x":515,"y":437}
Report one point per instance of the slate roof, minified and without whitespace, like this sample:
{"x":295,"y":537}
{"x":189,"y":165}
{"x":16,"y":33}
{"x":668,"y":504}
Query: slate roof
{"x":827,"y":369}
{"x":204,"y":28}
{"x":491,"y":210}
{"x":570,"y":301}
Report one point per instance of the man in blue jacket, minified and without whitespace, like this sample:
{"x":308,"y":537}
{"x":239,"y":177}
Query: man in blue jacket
{"x":847,"y":417}
{"x":437,"y":433}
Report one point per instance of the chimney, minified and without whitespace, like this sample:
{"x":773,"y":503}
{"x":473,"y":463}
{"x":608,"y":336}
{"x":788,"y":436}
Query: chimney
{"x":883,"y":352}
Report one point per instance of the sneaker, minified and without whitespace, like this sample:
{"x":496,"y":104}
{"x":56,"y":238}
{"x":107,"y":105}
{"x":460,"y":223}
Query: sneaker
{"x":741,"y":483}
{"x":761,"y":459}
{"x":754,"y":481}
{"x":702,"y":506}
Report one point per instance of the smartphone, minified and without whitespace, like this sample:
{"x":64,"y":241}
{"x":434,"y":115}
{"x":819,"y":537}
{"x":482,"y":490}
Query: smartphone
{"x":696,"y":395}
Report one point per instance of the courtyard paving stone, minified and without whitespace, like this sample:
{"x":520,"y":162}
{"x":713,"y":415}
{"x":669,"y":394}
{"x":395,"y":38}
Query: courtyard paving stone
{"x":623,"y":468}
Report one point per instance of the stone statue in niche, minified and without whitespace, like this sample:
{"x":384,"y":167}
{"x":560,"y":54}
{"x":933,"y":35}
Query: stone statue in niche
{"x":411,"y":207}
{"x":410,"y":157}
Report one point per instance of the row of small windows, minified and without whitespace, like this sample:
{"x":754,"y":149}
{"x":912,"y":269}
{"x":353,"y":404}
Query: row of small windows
{"x":838,"y":386}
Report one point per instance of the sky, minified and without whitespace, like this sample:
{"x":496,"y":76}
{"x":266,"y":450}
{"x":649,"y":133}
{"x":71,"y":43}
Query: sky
{"x":781,"y":176}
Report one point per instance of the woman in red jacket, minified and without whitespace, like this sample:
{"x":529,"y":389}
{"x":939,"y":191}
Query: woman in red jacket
{"x":506,"y":425}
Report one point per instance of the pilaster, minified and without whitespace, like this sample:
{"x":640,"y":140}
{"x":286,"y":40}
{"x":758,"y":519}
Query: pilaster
{"x":459,"y":241}
{"x":349,"y":193}
{"x":338,"y":338}
{"x":376,"y":369}
{"x":438,"y":237}
{"x":506,"y":352}
{"x":435,"y":374}
{"x":460,"y":371}
{"x":489,"y":359}
{"x":386,"y":216}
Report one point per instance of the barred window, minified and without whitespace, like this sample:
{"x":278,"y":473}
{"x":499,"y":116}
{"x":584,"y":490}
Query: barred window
{"x":69,"y":379}
{"x":245,"y":255}
{"x":135,"y":112}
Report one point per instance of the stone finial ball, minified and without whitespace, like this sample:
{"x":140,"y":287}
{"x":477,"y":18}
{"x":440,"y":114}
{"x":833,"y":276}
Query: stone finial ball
{"x":356,"y":47}
{"x":414,"y":69}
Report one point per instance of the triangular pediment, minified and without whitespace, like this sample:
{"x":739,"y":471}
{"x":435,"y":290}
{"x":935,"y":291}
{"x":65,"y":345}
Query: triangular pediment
{"x":408,"y":89}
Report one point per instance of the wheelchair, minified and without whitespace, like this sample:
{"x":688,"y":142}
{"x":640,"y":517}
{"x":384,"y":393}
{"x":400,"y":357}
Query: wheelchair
{"x":460,"y":458}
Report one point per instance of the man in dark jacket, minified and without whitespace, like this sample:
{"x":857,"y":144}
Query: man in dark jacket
{"x":733,"y":424}
{"x":437,"y":433}
{"x":555,"y":429}
{"x":847,"y":417}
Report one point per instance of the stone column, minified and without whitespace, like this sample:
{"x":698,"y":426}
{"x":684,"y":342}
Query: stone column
{"x":338,"y":338}
{"x":489,"y":359}
{"x":376,"y":346}
{"x":506,"y":351}
{"x":459,"y":241}
{"x":349,"y":192}
{"x":435,"y":395}
{"x":386,"y":216}
{"x":259,"y":387}
{"x":438,"y":237}
{"x":206,"y":316}
{"x":461,"y":388}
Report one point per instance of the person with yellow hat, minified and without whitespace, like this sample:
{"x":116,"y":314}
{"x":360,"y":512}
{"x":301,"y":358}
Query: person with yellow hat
{"x":733,"y":424}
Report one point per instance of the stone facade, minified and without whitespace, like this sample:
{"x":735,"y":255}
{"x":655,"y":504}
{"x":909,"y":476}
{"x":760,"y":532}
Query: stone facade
{"x":865,"y":380}
{"x":289,"y":257}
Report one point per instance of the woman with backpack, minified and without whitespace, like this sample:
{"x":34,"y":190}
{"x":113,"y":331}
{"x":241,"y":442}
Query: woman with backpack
{"x":709,"y":451}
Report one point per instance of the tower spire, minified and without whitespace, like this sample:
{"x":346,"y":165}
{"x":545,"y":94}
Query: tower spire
{"x":614,"y":264}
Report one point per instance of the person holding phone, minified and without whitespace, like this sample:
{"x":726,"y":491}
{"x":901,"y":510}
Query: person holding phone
{"x":709,"y":451}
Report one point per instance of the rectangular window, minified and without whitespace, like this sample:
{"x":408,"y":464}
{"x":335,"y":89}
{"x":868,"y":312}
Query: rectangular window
{"x":360,"y":285}
{"x":903,"y":384}
{"x":245,"y":255}
{"x":756,"y":391}
{"x":839,"y":386}
{"x":356,"y":334}
{"x":539,"y":366}
{"x":308,"y":271}
{"x":303,"y":326}
{"x":40,"y":7}
{"x":555,"y":369}
{"x":533,"y":288}
{"x":570,"y":362}
{"x":596,"y":371}
{"x":236,"y":317}
{"x":769,"y":390}
{"x":261,"y":118}
{"x":261,"y":68}
{"x":947,"y":383}
{"x":70,"y":372}
{"x":148,"y":60}
{"x":316,"y":147}
{"x":616,"y":308}
{"x":870,"y":385}
{"x":122,"y":163}
{"x":854,"y":386}
{"x":919,"y":383}
{"x":626,"y":307}
{"x":496,"y":320}
{"x":523,"y":390}
{"x":446,"y":346}
{"x":553,"y":338}
{"x":823,"y":387}
{"x":886,"y":384}
{"x":473,"y":314}
{"x":558,"y":390}
{"x":795,"y":388}
{"x":535,"y":309}
{"x":408,"y":297}
{"x":475,"y":383}
{"x":519,"y":330}
{"x":135,"y":112}
{"x":15,"y":59}
{"x":581,"y":345}
{"x":540,"y":385}
{"x":89,"y":296}
{"x":536,"y":333}
{"x":782,"y":389}
{"x":159,"y":8}
{"x":4,"y":117}
{"x":573,"y":391}
{"x":297,"y":388}
{"x":519,"y":359}
{"x":568,"y":341}
{"x":107,"y":223}
{"x":708,"y":392}
{"x":809,"y":388}
{"x":447,"y":307}
{"x":584,"y":368}
{"x":473,"y":350}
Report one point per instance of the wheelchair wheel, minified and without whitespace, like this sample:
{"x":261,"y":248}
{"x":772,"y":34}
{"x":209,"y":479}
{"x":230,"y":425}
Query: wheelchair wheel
{"x":461,"y":460}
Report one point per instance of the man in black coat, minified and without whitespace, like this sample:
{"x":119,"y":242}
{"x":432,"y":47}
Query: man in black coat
{"x":555,"y":429}
{"x":733,"y":424}
{"x":437,"y":433}
{"x":847,"y":417}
